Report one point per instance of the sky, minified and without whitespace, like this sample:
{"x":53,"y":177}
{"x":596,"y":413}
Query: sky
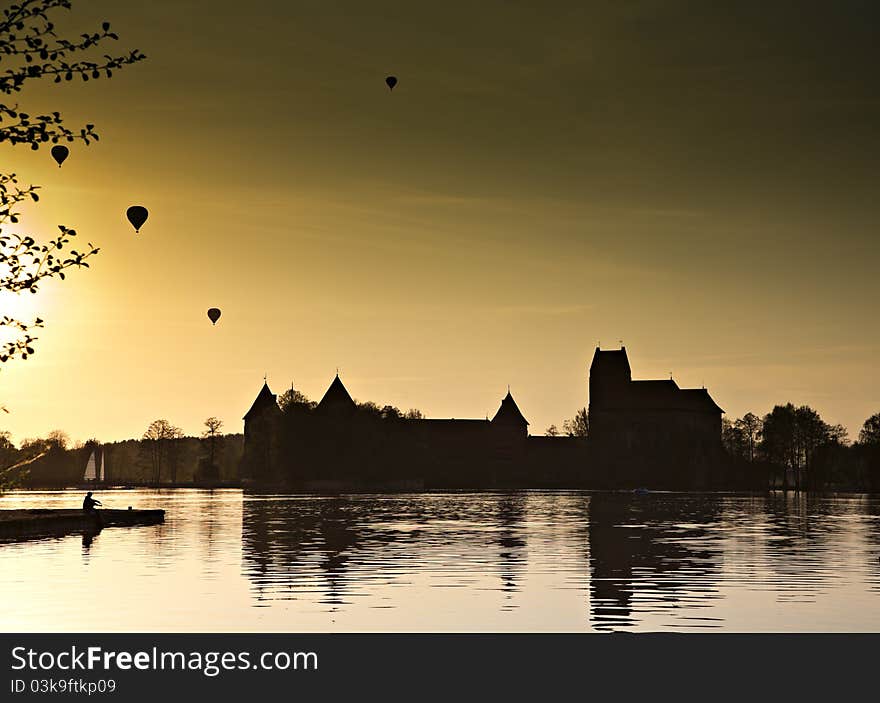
{"x":698,"y":180}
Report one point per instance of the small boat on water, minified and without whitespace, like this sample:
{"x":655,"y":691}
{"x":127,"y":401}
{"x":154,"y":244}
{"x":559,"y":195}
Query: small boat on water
{"x":42,"y":522}
{"x":91,"y":474}
{"x":94,"y":473}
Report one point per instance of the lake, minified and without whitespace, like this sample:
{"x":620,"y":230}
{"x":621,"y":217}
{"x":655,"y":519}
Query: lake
{"x":555,"y":561}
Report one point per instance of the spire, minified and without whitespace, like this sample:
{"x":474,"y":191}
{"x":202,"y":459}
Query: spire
{"x":509,"y":413}
{"x":265,"y":398}
{"x":337,"y":396}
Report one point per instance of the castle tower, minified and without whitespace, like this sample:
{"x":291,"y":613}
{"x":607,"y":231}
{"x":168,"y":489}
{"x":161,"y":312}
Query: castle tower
{"x":259,"y":458}
{"x":610,"y":381}
{"x":265,"y":403}
{"x":337,"y":400}
{"x":509,"y":417}
{"x":610,"y":375}
{"x":509,"y":432}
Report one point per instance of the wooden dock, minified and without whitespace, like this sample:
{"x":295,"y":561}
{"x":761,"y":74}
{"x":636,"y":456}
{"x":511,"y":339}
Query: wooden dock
{"x":46,"y":522}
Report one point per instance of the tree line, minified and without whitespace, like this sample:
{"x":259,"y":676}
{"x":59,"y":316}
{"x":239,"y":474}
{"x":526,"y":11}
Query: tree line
{"x":164,"y":454}
{"x":800,"y":451}
{"x":578,"y":426}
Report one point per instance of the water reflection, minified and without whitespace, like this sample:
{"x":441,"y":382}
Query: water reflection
{"x":88,"y":536}
{"x":511,"y":542}
{"x":521,"y":561}
{"x":343,"y":547}
{"x":286,"y":544}
{"x":816,"y":542}
{"x":652,"y":552}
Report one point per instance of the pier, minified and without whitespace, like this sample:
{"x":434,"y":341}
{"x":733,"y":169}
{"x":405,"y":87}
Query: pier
{"x":46,"y":522}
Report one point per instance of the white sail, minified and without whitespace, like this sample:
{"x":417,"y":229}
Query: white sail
{"x":101,"y":467}
{"x":90,"y":474}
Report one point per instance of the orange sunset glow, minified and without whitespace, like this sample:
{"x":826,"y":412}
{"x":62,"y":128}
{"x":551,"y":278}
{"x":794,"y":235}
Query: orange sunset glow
{"x":536,"y":184}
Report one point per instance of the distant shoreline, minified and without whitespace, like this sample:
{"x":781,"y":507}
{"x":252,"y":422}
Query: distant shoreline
{"x":327,"y":488}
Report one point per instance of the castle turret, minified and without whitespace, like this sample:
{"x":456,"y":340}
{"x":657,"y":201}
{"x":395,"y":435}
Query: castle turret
{"x":259,"y":459}
{"x":266,"y":401}
{"x":610,"y":376}
{"x":656,"y":431}
{"x":337,"y":399}
{"x":510,"y":417}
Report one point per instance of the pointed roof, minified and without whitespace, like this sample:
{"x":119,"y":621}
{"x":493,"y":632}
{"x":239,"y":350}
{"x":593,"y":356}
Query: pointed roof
{"x":265,"y":398}
{"x":509,"y":412}
{"x":336,"y":396}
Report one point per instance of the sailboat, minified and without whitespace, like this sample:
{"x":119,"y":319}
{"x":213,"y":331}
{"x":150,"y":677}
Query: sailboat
{"x":90,"y":474}
{"x":101,"y":468}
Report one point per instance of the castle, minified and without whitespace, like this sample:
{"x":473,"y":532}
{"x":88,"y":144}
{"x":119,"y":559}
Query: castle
{"x":649,"y":414}
{"x":650,"y":433}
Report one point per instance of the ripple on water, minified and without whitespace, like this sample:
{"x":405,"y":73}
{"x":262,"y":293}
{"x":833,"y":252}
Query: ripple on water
{"x":531,"y":560}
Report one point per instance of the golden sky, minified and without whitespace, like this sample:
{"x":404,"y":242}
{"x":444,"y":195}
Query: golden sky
{"x":700,"y":183}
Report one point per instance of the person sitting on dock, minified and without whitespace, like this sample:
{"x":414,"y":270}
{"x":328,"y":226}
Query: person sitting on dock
{"x":89,"y":503}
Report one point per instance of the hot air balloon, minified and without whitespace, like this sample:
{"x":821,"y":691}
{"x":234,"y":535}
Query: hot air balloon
{"x":59,"y":153}
{"x":214,"y":315}
{"x":137,"y":215}
{"x":391,"y":81}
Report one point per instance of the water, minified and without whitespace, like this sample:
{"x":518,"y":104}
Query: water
{"x":521,"y":561}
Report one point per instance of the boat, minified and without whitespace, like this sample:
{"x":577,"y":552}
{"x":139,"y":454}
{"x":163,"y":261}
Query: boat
{"x":94,"y":474}
{"x":49,"y":522}
{"x":90,"y":475}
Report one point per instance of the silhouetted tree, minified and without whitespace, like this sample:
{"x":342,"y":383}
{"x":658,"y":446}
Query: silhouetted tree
{"x":552,"y":431}
{"x":7,"y":448}
{"x":49,"y":459}
{"x":579,"y":425}
{"x":733,"y":438}
{"x":741,"y":438}
{"x":212,"y":429}
{"x":173,"y":446}
{"x":750,"y":425}
{"x":32,"y":445}
{"x":790,"y":437}
{"x":292,"y":399}
{"x":58,"y":439}
{"x":869,"y":435}
{"x":11,"y":476}
{"x":414,"y":414}
{"x":368,"y":407}
{"x":159,"y":435}
{"x":31,"y":50}
{"x":837,"y":434}
{"x":389,"y":412}
{"x":810,"y":432}
{"x":868,"y":450}
{"x":8,"y":457}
